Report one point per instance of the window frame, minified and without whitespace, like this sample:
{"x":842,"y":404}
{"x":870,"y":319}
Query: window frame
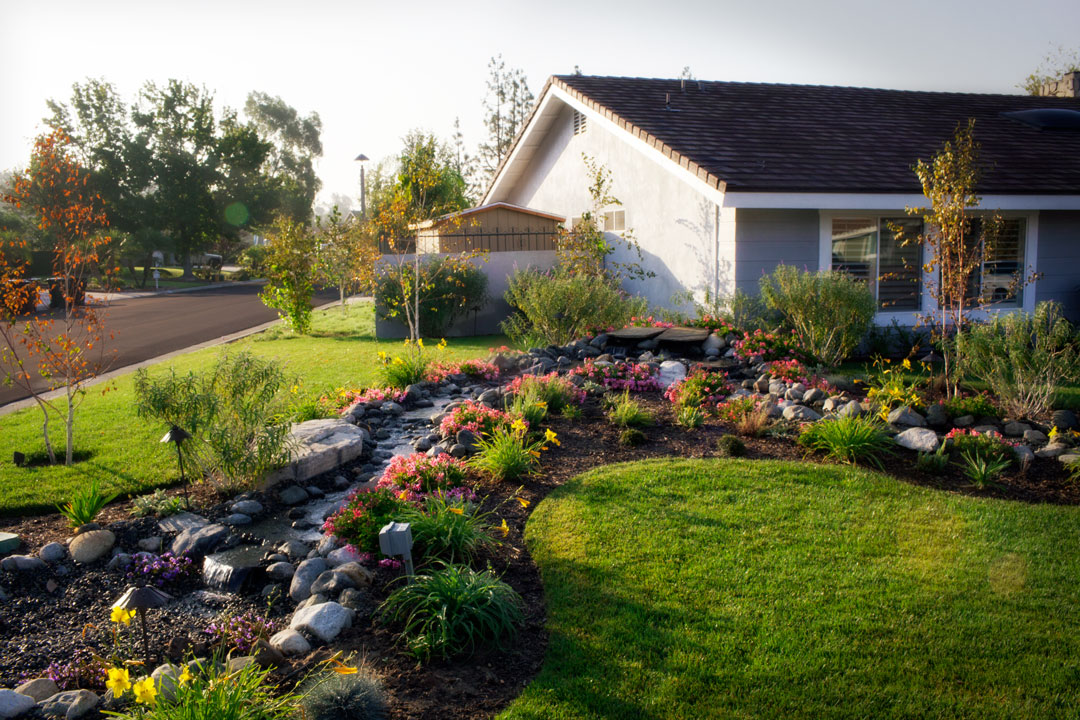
{"x":911,"y":318}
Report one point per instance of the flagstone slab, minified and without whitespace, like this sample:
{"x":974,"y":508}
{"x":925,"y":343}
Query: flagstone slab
{"x":684,"y":335}
{"x":634,"y":334}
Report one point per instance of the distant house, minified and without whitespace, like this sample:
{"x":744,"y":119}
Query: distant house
{"x":721,"y":181}
{"x":498,"y":227}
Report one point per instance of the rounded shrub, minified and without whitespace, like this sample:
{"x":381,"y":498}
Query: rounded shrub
{"x":357,"y":696}
{"x":730,"y":446}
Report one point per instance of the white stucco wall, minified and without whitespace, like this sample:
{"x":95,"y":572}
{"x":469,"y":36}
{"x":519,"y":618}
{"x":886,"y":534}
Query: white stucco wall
{"x":675,"y":225}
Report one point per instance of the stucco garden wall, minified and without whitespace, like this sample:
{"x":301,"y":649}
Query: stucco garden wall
{"x":499,"y":267}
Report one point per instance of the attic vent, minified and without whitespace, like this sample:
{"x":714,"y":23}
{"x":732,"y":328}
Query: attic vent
{"x":579,"y":123}
{"x":1047,"y":118}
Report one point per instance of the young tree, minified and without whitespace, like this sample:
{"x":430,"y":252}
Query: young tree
{"x":65,"y":349}
{"x":428,"y":186}
{"x":959,"y":243}
{"x":586,"y":247}
{"x":290,"y":272}
{"x":506,"y":108}
{"x":347,"y":253}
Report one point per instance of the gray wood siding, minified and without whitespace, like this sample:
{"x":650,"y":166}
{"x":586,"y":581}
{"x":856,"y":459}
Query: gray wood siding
{"x":1059,"y":260}
{"x":767,"y":238}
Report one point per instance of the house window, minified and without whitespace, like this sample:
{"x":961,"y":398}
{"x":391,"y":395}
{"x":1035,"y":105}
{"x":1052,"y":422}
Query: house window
{"x":996,"y":281}
{"x":580,"y":125}
{"x":615,"y":222}
{"x":883,"y":252}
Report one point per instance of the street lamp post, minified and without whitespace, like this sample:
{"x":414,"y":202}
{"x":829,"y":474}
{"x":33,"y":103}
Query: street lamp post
{"x":362,"y":158}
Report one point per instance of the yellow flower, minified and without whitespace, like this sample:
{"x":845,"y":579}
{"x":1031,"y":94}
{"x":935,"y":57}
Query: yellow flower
{"x":534,"y":453}
{"x":456,"y":511}
{"x":186,"y":676}
{"x":403,"y":495}
{"x":442,"y":344}
{"x":523,"y":501}
{"x":906,"y":364}
{"x":551,"y":437}
{"x":342,"y":669}
{"x":518,"y":425}
{"x":145,"y":692}
{"x":504,"y":528}
{"x":120,"y":615}
{"x":119,"y":681}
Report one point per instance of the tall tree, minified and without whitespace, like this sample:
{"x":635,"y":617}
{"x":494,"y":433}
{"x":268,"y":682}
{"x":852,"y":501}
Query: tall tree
{"x":1053,"y":67}
{"x":506,"y":108}
{"x":295,"y":144}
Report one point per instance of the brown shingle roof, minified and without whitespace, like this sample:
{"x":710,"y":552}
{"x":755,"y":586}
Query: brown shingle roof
{"x":759,"y":137}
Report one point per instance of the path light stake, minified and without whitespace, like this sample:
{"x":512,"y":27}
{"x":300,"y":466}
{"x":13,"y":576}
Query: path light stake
{"x":395,"y":538}
{"x":140,"y":600}
{"x":178,"y":435}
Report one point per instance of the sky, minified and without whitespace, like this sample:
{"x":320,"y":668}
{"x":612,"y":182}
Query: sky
{"x":375,"y":70}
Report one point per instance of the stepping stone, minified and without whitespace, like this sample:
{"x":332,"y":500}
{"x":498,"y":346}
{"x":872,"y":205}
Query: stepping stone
{"x":8,"y":542}
{"x":684,"y":335}
{"x":182,"y":521}
{"x":634,"y":334}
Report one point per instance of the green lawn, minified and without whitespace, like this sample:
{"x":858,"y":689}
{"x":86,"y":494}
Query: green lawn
{"x":752,"y":589}
{"x":125,"y":453}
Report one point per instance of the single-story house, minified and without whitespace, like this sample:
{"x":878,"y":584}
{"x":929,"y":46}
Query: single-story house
{"x":721,"y":181}
{"x":496,"y":227}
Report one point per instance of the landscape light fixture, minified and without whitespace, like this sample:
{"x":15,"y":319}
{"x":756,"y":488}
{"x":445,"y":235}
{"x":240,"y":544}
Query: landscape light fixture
{"x":395,"y":538}
{"x":141,"y":599}
{"x":362,"y":158}
{"x":178,"y":435}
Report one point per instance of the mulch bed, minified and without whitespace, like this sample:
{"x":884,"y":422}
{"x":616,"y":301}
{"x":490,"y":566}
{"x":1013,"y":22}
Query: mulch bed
{"x":39,"y":625}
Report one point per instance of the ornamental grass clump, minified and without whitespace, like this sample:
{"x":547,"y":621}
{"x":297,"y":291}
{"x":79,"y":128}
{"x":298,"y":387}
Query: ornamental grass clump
{"x":400,"y":371}
{"x":453,"y":610}
{"x":637,"y":377}
{"x":364,"y":513}
{"x":448,"y":530}
{"x":509,"y":454}
{"x":748,"y":416}
{"x":982,"y":469}
{"x":848,"y":439}
{"x":344,"y":693}
{"x":1024,"y":358}
{"x":701,"y":388}
{"x":85,"y":505}
{"x":690,"y":417}
{"x":209,"y":691}
{"x":557,"y":391}
{"x":626,"y":412}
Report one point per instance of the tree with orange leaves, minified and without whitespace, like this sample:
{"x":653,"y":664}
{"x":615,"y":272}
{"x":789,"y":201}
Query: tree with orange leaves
{"x":66,"y":348}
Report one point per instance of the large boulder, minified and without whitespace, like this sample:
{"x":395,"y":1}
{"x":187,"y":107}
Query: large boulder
{"x":90,"y":546}
{"x":800,"y":413}
{"x":918,"y":439}
{"x":39,"y":689}
{"x":904,"y":415}
{"x":325,"y":621}
{"x":321,"y":445}
{"x":199,"y":540}
{"x":289,"y":642}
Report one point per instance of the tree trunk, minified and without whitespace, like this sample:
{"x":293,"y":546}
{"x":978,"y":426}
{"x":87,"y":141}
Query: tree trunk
{"x":45,"y":431}
{"x":70,"y":426}
{"x":341,"y":292}
{"x":188,"y":275}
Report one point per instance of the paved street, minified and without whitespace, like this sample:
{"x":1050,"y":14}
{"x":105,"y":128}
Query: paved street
{"x":148,"y":327}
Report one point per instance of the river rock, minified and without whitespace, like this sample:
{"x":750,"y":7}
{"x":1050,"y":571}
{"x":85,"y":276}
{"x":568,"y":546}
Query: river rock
{"x":1065,"y":420}
{"x":305,"y":575}
{"x":904,"y":415}
{"x":964,"y":421}
{"x":247,"y":507}
{"x":1023,"y":455}
{"x":166,"y":677}
{"x":70,"y":705}
{"x":39,"y":689}
{"x":1035,"y":437}
{"x":671,"y":372}
{"x":91,"y":546}
{"x":325,"y":621}
{"x":293,"y":495}
{"x":53,"y":552}
{"x":800,"y":413}
{"x":342,"y":555}
{"x":331,"y":583}
{"x":200,"y":540}
{"x":22,"y":563}
{"x":236,"y":519}
{"x":360,"y":575}
{"x":936,"y":417}
{"x":1053,"y":450}
{"x":14,"y":704}
{"x":280,"y":571}
{"x":1016,"y":429}
{"x":293,"y":548}
{"x":918,"y":439}
{"x":289,"y":642}
{"x":813,"y":395}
